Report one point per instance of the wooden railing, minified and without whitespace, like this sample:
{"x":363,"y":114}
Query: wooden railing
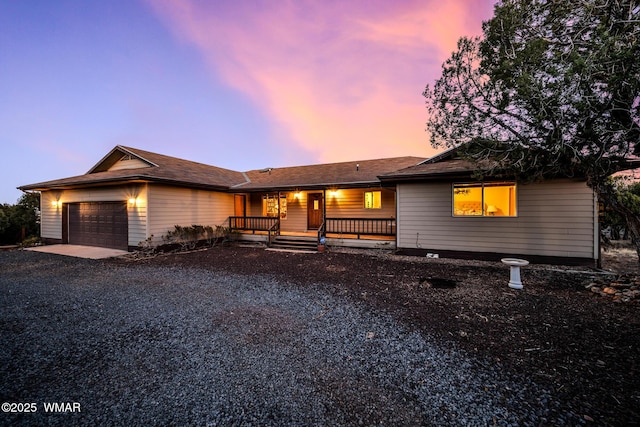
{"x":274,"y":231}
{"x":359,"y":226}
{"x":355,"y":226}
{"x":322,"y":231}
{"x":253,"y":223}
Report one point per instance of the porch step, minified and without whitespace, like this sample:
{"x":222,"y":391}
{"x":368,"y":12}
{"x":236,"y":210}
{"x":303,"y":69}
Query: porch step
{"x":300,"y":243}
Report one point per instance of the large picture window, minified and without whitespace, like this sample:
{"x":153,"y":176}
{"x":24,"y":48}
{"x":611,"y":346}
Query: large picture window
{"x":373,"y":200}
{"x":270,"y":206}
{"x":484,"y":199}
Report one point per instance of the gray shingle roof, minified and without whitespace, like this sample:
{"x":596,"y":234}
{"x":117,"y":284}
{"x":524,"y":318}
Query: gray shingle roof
{"x":187,"y":173}
{"x":162,"y":169}
{"x":355,"y":173}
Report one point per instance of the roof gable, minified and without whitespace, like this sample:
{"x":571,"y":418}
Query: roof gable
{"x":156,"y":168}
{"x":120,"y":153}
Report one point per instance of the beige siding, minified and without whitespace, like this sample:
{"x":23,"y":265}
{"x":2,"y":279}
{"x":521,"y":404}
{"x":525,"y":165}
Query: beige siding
{"x":296,"y":212}
{"x":349,"y":203}
{"x":50,"y":216}
{"x":555,"y":218}
{"x":129,"y":164}
{"x":51,"y":220}
{"x":170,"y":206}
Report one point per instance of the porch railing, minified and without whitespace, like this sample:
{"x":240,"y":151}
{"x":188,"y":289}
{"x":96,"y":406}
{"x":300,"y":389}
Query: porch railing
{"x":256,"y":223}
{"x":359,"y":226}
{"x":354,"y":226}
{"x":252,"y":223}
{"x":274,"y":231}
{"x":322,"y":231}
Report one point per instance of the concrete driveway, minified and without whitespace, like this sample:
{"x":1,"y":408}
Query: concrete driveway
{"x":78,"y":251}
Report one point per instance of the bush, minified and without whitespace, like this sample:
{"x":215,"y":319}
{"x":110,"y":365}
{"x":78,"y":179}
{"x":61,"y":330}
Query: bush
{"x":190,"y":237}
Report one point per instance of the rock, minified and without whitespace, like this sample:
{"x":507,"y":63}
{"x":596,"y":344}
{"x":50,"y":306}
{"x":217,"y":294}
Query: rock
{"x":609,"y":291}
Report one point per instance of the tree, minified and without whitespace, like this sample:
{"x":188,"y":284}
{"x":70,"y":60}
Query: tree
{"x":628,"y":193}
{"x":15,"y":218}
{"x":551,"y":89}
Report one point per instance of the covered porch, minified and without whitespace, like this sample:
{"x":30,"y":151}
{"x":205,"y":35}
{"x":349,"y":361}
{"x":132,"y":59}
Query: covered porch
{"x":351,"y":217}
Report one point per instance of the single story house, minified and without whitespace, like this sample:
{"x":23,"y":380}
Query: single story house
{"x":416,"y":206}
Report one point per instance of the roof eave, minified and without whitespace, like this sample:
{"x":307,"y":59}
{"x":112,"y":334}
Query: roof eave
{"x":120,"y":181}
{"x":306,"y":187}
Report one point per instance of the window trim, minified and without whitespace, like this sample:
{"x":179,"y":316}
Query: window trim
{"x":364,"y":199}
{"x":482,"y":185}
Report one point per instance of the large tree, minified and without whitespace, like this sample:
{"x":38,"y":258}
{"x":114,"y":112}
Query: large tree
{"x":551,"y":89}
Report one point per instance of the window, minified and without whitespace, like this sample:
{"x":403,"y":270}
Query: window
{"x":372,"y":200}
{"x":270,"y":206}
{"x":484,"y":199}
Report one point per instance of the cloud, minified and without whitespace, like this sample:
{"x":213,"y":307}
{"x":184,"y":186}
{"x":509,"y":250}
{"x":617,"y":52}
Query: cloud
{"x":341,"y":79}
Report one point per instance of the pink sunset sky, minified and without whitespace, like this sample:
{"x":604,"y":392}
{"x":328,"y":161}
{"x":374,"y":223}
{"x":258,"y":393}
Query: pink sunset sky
{"x":236,"y":84}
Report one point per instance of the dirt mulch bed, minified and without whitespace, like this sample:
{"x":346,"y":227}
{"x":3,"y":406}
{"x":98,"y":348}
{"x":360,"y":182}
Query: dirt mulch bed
{"x":583,"y":346}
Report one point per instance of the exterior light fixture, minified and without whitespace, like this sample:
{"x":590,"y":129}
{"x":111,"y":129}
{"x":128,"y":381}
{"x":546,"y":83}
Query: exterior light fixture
{"x":132,"y":201}
{"x":55,"y":204}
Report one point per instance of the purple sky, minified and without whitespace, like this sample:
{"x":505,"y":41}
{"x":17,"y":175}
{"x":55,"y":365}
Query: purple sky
{"x":236,"y":84}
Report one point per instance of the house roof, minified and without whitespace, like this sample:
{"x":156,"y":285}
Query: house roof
{"x":448,"y":164}
{"x":159,"y":168}
{"x":353,"y":174}
{"x":153,"y":167}
{"x":444,"y":169}
{"x":443,"y":165}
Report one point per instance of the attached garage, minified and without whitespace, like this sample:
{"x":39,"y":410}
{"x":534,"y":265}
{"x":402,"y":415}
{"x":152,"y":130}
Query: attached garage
{"x":103,"y":224}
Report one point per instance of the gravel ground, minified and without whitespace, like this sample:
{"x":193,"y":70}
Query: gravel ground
{"x":159,"y":345}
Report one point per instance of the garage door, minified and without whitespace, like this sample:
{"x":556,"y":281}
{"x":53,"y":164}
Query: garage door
{"x":101,"y":224}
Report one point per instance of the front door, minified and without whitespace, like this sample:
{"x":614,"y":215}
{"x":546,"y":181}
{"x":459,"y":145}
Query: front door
{"x":240,"y":209}
{"x":314,"y":211}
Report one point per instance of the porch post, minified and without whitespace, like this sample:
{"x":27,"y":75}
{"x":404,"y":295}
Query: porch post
{"x":324,"y":205}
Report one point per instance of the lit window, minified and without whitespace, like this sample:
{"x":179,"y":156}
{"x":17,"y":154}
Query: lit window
{"x":372,"y":200}
{"x":270,"y":206}
{"x":485,"y":199}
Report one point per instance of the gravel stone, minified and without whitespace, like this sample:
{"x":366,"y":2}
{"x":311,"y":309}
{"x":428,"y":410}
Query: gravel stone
{"x":148,"y":345}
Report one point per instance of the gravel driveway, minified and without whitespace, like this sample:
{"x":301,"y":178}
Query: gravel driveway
{"x":149,"y":345}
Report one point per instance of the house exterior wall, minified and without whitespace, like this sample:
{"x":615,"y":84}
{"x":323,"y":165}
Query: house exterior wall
{"x":296,"y":212}
{"x":554,"y":218}
{"x":170,"y":206}
{"x":296,"y":219}
{"x":345,"y":203}
{"x":349,"y":203}
{"x":51,"y":216}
